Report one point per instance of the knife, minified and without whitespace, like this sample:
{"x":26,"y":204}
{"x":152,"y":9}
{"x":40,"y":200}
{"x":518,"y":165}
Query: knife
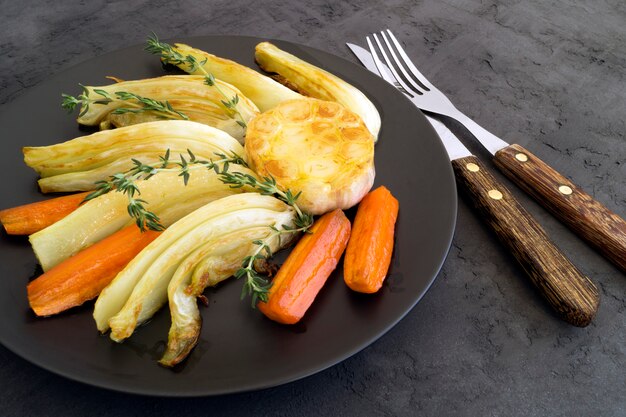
{"x":569,"y":292}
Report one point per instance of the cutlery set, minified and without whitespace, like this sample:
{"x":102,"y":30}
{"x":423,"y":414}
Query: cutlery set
{"x":568,"y":291}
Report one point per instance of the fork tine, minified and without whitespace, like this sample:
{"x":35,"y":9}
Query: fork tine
{"x":398,"y":62}
{"x":390,"y":65}
{"x":383,"y":70}
{"x":407,"y":61}
{"x":379,"y":65}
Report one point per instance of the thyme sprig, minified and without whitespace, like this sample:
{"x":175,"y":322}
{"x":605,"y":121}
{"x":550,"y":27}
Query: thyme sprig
{"x":268,"y":186}
{"x":126,"y":182}
{"x":134,"y":103}
{"x":256,"y":285}
{"x":169,"y":55}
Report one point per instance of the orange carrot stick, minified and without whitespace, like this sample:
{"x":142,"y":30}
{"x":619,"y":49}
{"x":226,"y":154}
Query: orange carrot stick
{"x":307,"y":268}
{"x":82,"y":277}
{"x":371,"y":244}
{"x":31,"y":218}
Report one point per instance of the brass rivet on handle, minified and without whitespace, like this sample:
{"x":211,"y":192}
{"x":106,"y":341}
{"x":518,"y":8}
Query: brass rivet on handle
{"x":564,"y":189}
{"x":522,"y":157}
{"x":472,"y":167}
{"x":494,"y":194}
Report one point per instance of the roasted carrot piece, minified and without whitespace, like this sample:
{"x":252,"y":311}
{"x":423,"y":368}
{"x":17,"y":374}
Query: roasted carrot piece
{"x":371,"y":243}
{"x":307,"y":268}
{"x":31,"y":218}
{"x":82,"y":277}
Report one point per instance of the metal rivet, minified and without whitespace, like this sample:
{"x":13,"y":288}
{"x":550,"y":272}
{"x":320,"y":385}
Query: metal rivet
{"x":522,"y":157}
{"x":472,"y":167}
{"x":495,"y":194}
{"x":564,"y":189}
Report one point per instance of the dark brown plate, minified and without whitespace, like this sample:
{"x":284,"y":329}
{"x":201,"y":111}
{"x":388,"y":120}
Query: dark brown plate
{"x":239,"y":349}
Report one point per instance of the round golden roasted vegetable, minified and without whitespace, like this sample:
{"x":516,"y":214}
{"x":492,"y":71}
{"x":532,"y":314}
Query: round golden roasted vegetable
{"x":317,"y":147}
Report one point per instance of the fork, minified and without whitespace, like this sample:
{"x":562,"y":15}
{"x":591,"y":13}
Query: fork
{"x":591,"y":220}
{"x":570,"y":293}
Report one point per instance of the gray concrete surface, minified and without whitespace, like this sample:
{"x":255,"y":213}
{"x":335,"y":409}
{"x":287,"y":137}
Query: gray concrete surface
{"x":549,"y":75}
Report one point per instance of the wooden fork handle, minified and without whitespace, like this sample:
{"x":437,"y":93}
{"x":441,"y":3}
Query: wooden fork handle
{"x":570,"y":293}
{"x":591,"y":220}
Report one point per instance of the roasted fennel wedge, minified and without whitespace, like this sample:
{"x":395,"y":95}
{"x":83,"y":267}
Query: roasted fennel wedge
{"x":140,"y":289}
{"x":263,"y":91}
{"x":317,"y":83}
{"x":220,"y":105}
{"x":96,"y":219}
{"x":208,"y":265}
{"x":76,"y":165}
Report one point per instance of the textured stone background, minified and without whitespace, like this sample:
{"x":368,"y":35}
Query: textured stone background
{"x":547,"y":74}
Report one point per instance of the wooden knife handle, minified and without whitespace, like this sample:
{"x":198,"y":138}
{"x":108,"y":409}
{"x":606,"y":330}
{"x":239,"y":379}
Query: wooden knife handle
{"x":572,"y":295}
{"x":605,"y":230}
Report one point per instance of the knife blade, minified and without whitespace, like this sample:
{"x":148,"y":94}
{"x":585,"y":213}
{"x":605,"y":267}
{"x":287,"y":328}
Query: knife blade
{"x":570,"y":293}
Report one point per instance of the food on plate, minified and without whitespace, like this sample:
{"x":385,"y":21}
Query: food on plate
{"x":140,"y":289}
{"x":220,"y":105}
{"x":317,"y":83}
{"x":307,"y":268}
{"x":263,"y":91}
{"x":370,"y":248}
{"x":176,"y":203}
{"x":166,"y":194}
{"x":317,"y":147}
{"x":81,"y":277}
{"x":33,"y":217}
{"x":78,"y":164}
